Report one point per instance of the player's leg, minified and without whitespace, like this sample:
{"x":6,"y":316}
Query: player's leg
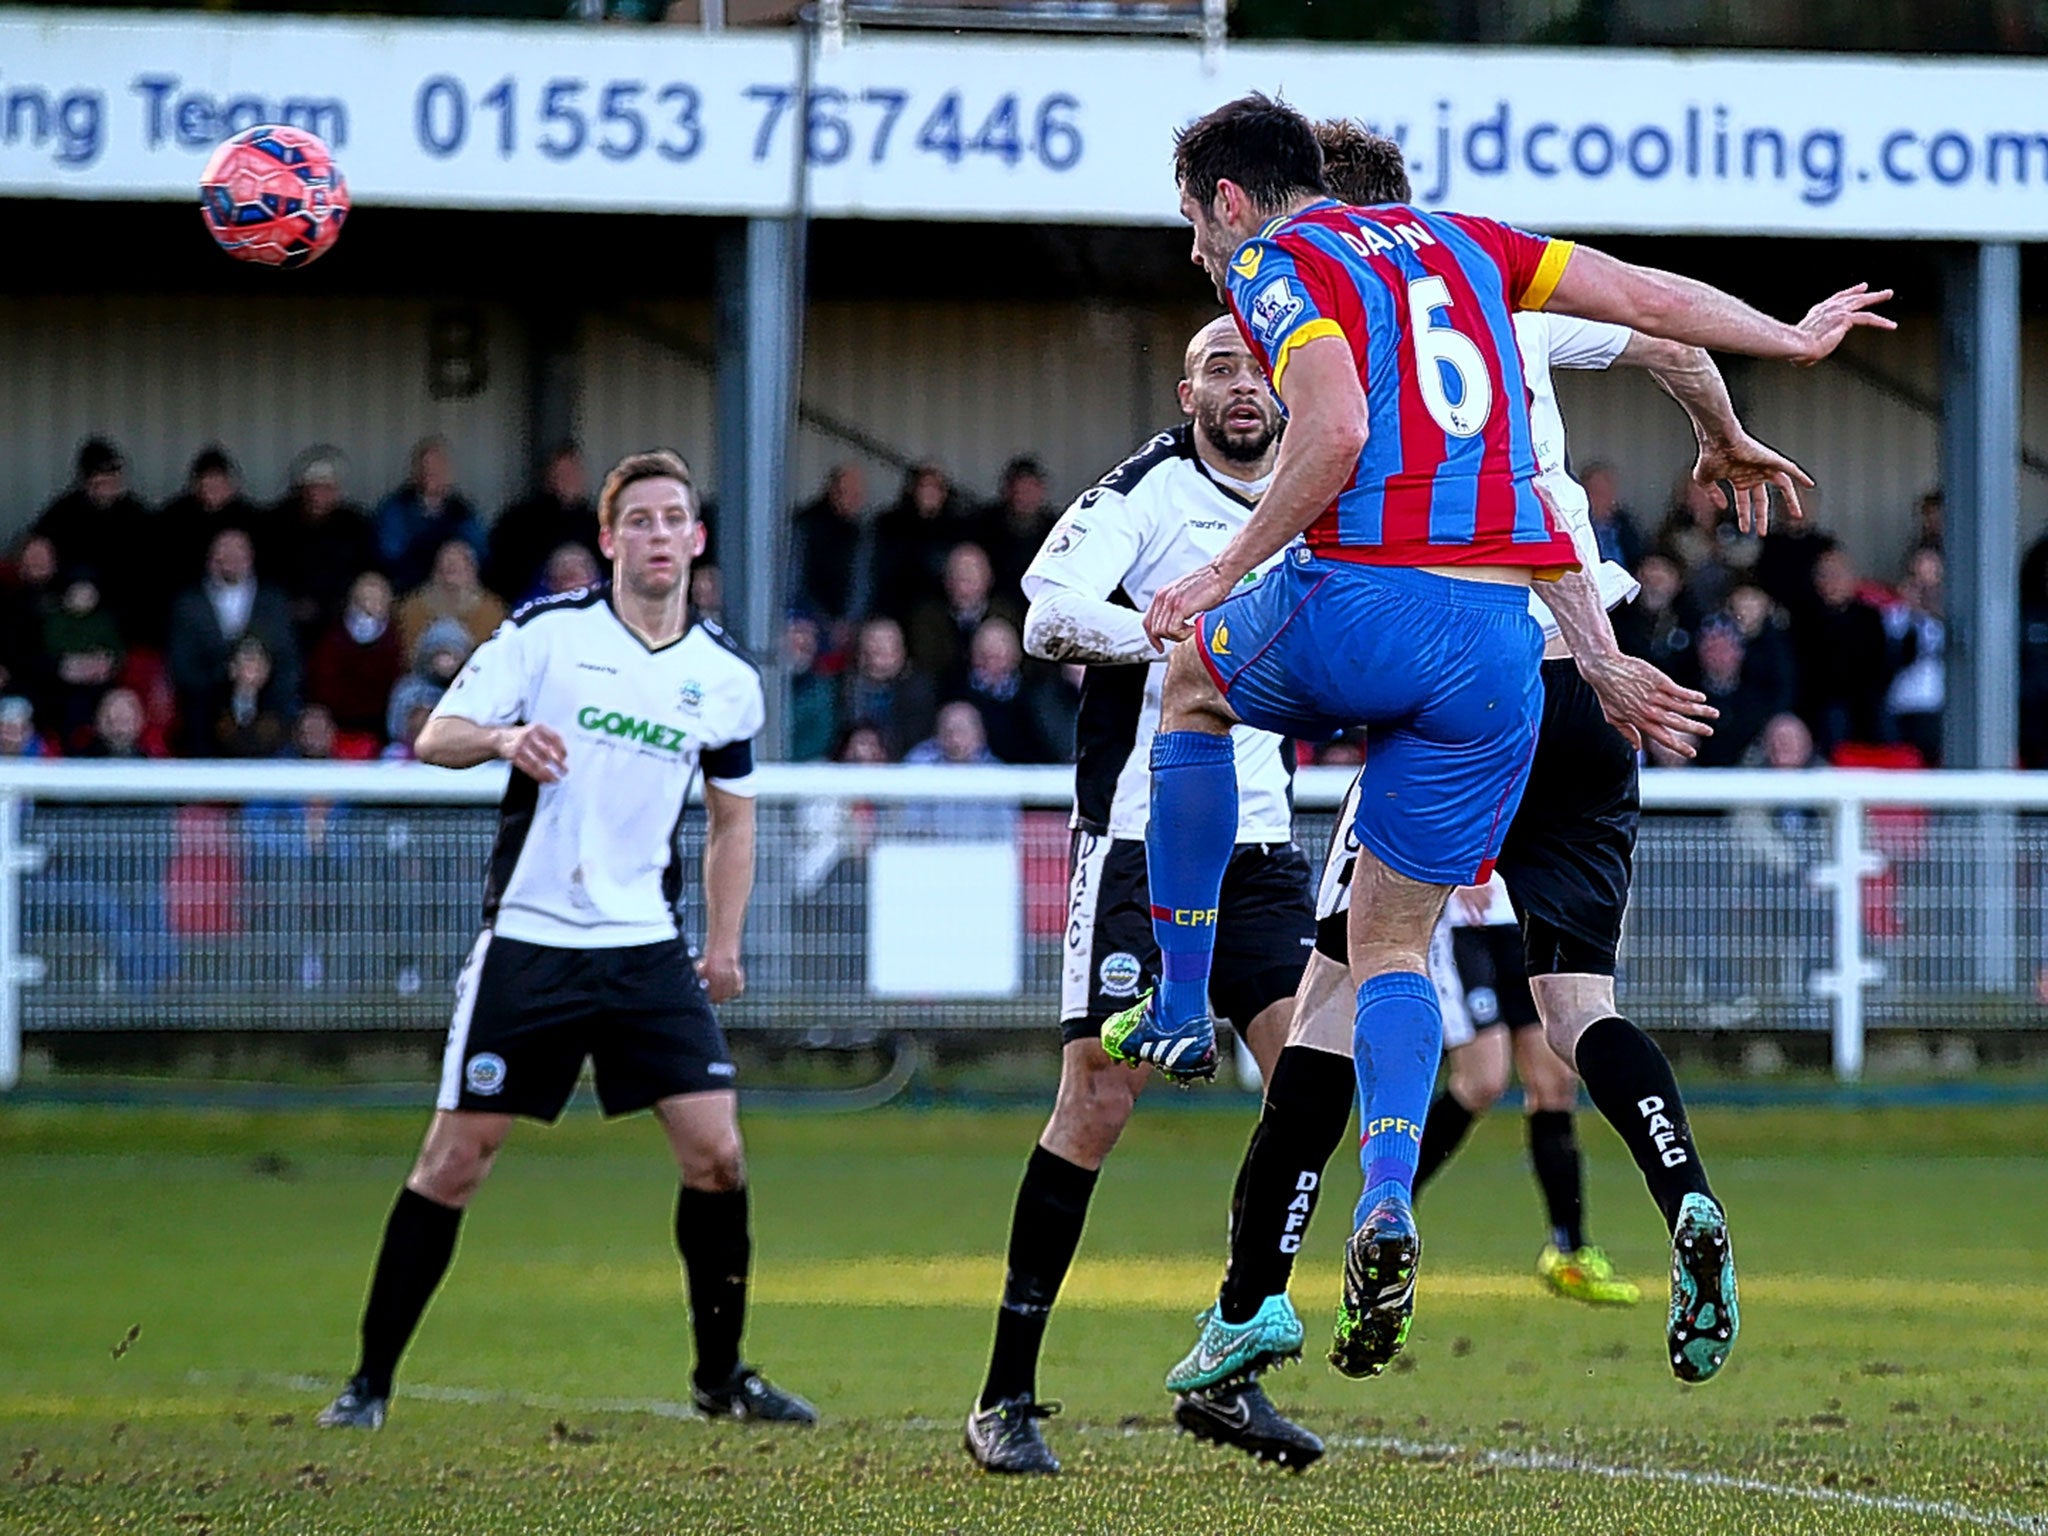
{"x":509,"y":1053}
{"x":418,"y":1246}
{"x":1630,"y":1081}
{"x":715,"y":1242}
{"x":1569,"y":1264}
{"x":656,"y":1045}
{"x":1475,"y":1076}
{"x":1188,"y":843}
{"x":1108,"y":957}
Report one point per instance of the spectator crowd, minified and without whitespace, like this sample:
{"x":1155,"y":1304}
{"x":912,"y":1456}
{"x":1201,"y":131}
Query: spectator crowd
{"x":215,"y":626}
{"x":312,"y":627}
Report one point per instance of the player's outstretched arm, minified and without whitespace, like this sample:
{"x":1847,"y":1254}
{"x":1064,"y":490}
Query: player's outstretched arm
{"x":1638,"y":700}
{"x":1326,"y":431}
{"x":449,"y":741}
{"x":1726,"y":450}
{"x":1064,"y":625}
{"x":728,"y":883}
{"x":1596,"y":286}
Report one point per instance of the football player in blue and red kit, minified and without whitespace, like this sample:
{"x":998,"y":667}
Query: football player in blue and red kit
{"x":1408,"y":465}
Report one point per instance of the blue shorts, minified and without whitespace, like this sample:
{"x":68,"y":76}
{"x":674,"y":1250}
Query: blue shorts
{"x":1445,"y":675}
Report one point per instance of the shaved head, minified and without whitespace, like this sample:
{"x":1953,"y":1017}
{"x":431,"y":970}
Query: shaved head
{"x":1219,"y":335}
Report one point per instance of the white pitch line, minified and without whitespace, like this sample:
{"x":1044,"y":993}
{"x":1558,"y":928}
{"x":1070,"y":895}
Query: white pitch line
{"x":1407,"y":1450}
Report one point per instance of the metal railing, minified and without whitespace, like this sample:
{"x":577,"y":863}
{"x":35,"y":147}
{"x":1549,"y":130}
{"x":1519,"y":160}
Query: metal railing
{"x":275,"y":896}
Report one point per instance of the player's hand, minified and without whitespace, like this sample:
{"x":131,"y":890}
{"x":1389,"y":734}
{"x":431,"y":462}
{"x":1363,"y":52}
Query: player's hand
{"x":536,"y":751}
{"x":1835,"y":317}
{"x":723,"y":976}
{"x":1476,"y":900}
{"x":1640,"y":701}
{"x":1751,"y":468}
{"x":1176,"y":606}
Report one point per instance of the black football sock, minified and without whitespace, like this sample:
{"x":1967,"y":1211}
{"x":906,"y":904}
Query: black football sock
{"x":1443,"y":1132}
{"x":1627,"y":1077}
{"x":1308,"y":1107}
{"x":1052,"y":1207}
{"x":712,"y":1237}
{"x":1554,"y":1153}
{"x":419,"y":1240}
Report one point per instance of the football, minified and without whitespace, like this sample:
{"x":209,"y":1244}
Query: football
{"x":274,"y":195}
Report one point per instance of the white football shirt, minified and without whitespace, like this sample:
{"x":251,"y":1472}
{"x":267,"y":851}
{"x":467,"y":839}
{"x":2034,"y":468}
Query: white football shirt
{"x":1150,"y":521}
{"x":590,"y":861}
{"x":1561,"y":341}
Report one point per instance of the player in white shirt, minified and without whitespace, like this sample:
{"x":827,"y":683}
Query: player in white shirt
{"x":607,"y":702}
{"x":1567,"y":861}
{"x":1160,"y":514}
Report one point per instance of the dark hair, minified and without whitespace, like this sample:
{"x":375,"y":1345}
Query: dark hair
{"x":1263,"y":145}
{"x":212,"y":460}
{"x":1362,"y":167}
{"x":654,"y":464}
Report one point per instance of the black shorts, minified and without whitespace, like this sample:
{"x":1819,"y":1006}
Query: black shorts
{"x":1480,"y":980}
{"x":1264,"y":927}
{"x":1570,"y":851}
{"x":526,"y":1015}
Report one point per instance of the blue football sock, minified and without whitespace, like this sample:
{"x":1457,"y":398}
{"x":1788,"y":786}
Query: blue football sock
{"x":1187,"y":846}
{"x":1396,"y":1044}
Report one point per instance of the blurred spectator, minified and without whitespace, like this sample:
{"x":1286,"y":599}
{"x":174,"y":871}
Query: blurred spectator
{"x":1015,"y":524}
{"x":1785,"y":562}
{"x":1914,"y":625}
{"x":528,"y":533}
{"x":212,"y":500}
{"x":119,"y":729}
{"x":707,"y":592}
{"x":415,"y":520}
{"x":834,"y":557}
{"x":1743,"y":705}
{"x":18,"y":737}
{"x":1697,"y":537}
{"x":1844,"y":663}
{"x":911,"y":541}
{"x":570,"y":568}
{"x":358,"y":661}
{"x":1928,"y":519}
{"x":25,"y":603}
{"x":1786,"y":743}
{"x":317,"y":542}
{"x":84,"y":648}
{"x":2034,"y":673}
{"x":941,"y":631}
{"x":1657,"y":626}
{"x":883,"y":688}
{"x":313,"y":736}
{"x":439,"y":655}
{"x":1056,"y":704}
{"x":861,"y":742}
{"x":2034,"y":566}
{"x":452,"y":592}
{"x":813,"y":697}
{"x":1614,"y":527}
{"x":995,"y":687}
{"x":957,"y":738}
{"x":1344,"y":752}
{"x":249,"y":724}
{"x":98,"y":521}
{"x":1768,"y":660}
{"x":207,"y":622}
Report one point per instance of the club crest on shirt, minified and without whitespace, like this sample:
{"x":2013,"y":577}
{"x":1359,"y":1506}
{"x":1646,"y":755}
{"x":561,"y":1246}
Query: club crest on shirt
{"x":1246,"y":263}
{"x":1069,"y":539}
{"x":1119,"y":974}
{"x":690,"y":697}
{"x":485,"y":1073}
{"x":1276,"y":307}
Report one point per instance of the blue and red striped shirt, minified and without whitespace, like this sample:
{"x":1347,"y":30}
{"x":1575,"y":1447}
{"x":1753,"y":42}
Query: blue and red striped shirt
{"x":1426,"y":303}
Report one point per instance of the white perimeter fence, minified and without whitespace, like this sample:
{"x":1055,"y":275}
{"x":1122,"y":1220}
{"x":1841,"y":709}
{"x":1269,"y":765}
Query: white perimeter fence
{"x":275,"y":896}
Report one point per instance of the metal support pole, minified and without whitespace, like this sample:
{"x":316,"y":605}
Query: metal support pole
{"x":1980,"y":471}
{"x":1852,"y":972}
{"x":16,"y":969}
{"x":1980,"y":447}
{"x":756,"y":362}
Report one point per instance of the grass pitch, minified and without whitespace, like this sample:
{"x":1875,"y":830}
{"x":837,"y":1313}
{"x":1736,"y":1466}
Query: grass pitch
{"x":1892,"y":1374}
